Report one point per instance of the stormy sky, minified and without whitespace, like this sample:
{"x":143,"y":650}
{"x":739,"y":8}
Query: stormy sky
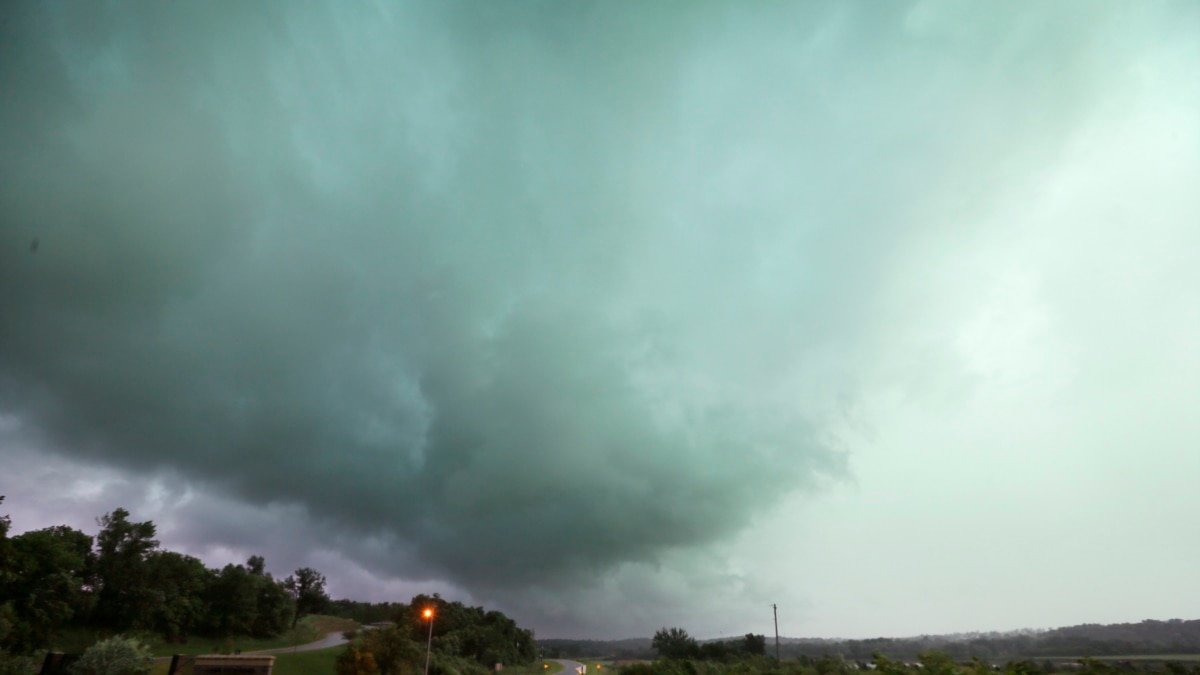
{"x":616,"y":315}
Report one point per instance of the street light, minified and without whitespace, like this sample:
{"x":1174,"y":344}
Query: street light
{"x":428,"y":614}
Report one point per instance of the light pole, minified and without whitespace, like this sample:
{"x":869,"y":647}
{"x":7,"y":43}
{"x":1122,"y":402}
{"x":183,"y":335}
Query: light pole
{"x":428,"y":614}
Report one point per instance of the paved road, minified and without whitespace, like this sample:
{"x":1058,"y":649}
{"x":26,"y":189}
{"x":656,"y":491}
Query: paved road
{"x":330,"y":640}
{"x":569,"y":667}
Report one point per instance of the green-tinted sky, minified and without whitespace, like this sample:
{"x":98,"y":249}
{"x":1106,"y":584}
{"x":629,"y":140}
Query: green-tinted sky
{"x":619,"y":315}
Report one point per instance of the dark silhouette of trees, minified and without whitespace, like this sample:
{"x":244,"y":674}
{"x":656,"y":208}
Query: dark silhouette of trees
{"x":308,"y":588}
{"x":46,"y":573}
{"x":754,"y":644}
{"x":466,"y":639}
{"x":122,"y":580}
{"x":674,"y":643}
{"x":176,"y":602}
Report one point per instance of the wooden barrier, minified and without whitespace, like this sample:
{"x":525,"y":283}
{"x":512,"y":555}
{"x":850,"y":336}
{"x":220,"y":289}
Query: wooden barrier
{"x":233,"y":664}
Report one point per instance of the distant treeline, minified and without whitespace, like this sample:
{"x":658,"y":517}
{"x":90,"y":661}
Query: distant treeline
{"x":368,"y":612}
{"x":927,"y":663}
{"x":629,"y":648}
{"x":680,"y":654}
{"x":1175,"y":636}
{"x":121,"y":580}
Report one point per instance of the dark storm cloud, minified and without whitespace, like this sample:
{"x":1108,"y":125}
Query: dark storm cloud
{"x":359,"y":263}
{"x":478,"y":281}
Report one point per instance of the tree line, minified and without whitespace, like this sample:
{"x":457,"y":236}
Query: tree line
{"x":1174,"y":636}
{"x":675,"y":643}
{"x":680,"y":654}
{"x":1149,"y":637}
{"x":465,"y":640}
{"x":122,"y":580}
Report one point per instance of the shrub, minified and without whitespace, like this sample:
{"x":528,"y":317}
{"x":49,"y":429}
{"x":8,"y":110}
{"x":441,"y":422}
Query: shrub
{"x":356,"y":661}
{"x":115,"y":656}
{"x":445,"y":664}
{"x":11,"y":664}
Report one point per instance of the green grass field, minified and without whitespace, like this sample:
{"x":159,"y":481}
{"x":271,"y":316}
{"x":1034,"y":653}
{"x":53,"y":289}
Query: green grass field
{"x":309,"y":629}
{"x":299,"y":663}
{"x":307,"y":663}
{"x":535,"y":669}
{"x":322,"y":663}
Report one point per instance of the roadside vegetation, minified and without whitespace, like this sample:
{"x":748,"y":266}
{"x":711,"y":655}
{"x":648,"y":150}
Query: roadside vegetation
{"x":63,"y":590}
{"x":118,"y":596}
{"x":680,"y":654}
{"x":465,"y":641}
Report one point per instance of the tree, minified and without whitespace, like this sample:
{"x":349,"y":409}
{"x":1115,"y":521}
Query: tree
{"x":356,"y":660}
{"x":176,"y":603}
{"x":674,"y":643}
{"x":463,"y":632}
{"x":390,"y":649}
{"x":275,"y":609}
{"x":7,"y":576}
{"x":122,"y":548}
{"x":45,"y":583}
{"x":233,"y":602}
{"x":115,"y":656}
{"x":934,"y":662}
{"x":886,"y":666}
{"x":754,"y":644}
{"x":308,"y":588}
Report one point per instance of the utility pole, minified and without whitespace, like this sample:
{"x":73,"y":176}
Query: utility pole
{"x":775,"y":611}
{"x":428,"y":614}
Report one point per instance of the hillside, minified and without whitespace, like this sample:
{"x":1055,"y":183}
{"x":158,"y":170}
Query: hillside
{"x":1175,"y":636}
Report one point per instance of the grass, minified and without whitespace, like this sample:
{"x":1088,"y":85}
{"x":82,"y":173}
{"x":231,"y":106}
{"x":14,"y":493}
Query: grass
{"x":308,"y":629}
{"x":307,"y":663}
{"x":535,"y":669}
{"x":321,"y":662}
{"x":592,"y":661}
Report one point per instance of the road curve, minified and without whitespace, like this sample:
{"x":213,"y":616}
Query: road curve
{"x":330,"y":640}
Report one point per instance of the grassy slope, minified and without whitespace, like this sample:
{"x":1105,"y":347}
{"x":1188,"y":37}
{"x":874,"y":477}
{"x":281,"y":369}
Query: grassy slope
{"x":309,"y":629}
{"x":535,"y":669}
{"x":299,"y":663}
{"x":307,"y":663}
{"x":322,"y":662}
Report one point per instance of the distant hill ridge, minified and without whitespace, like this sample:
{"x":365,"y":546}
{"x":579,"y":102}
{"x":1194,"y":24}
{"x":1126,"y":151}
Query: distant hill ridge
{"x":1174,"y":636}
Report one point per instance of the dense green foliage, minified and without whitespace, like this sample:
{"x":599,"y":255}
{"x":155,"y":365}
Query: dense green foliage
{"x":366,"y":612}
{"x":121,"y":580}
{"x":464,"y":639}
{"x":308,"y":587}
{"x":675,"y":643}
{"x":115,"y":656}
